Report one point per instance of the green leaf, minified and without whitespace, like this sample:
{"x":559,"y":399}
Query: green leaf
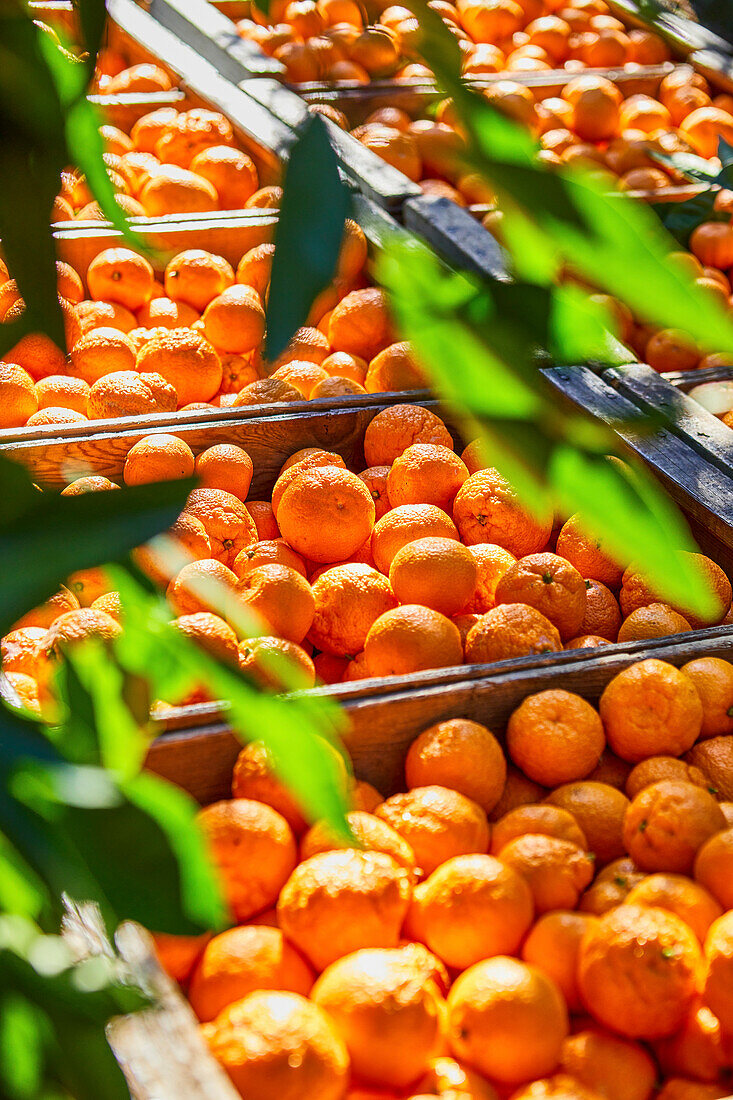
{"x":580,"y":330}
{"x":84,"y":531}
{"x":680,"y":218}
{"x":93,"y":24}
{"x":308,"y":234}
{"x":22,"y":1039}
{"x":20,"y":889}
{"x":686,"y":164}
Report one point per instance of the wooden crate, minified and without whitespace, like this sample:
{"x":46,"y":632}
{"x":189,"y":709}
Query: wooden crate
{"x":382,"y":726}
{"x":271,"y":437}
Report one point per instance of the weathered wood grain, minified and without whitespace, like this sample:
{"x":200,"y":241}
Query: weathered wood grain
{"x":213,"y":35}
{"x":453,"y":232}
{"x":383,"y":725}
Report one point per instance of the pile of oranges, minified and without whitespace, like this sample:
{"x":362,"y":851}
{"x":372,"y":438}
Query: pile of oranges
{"x":420,"y":560}
{"x":171,"y":161}
{"x":590,"y":123}
{"x":328,"y":40}
{"x":195,"y":340}
{"x":545,"y":915}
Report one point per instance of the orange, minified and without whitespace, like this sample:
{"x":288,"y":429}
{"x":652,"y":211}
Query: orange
{"x":189,"y":133}
{"x":179,"y":954}
{"x":612,"y":770}
{"x":518,"y":791}
{"x":370,"y":834}
{"x":104,"y":315}
{"x":195,"y":277}
{"x":36,"y":353}
{"x":253,"y":848}
{"x":307,"y":345}
{"x":410,"y":639}
{"x":718,"y":970}
{"x":365,"y":797}
{"x":700,"y":1049}
{"x":714,"y":758}
{"x":225,"y":466}
{"x":341,"y":901}
{"x":139,"y":78}
{"x":232,"y":174}
{"x":616,"y":1068}
{"x":254,"y":778}
{"x":713,"y":680}
{"x":393,"y":430}
{"x":678,"y":894}
{"x":712,"y":243}
{"x":234,"y":321}
{"x":55,"y":416}
{"x":266,"y":391}
{"x":555,"y":737}
{"x":671,"y":350}
{"x":486,"y":509}
{"x":437,"y":573}
{"x":704,"y":127}
{"x":121,"y":275}
{"x":611,"y":887}
{"x":638,"y":971}
{"x":68,"y":283}
{"x":111,"y":604}
{"x":56,"y":605}
{"x":375,"y":479}
{"x":267,"y":198}
{"x":558,"y":1087}
{"x":450,"y":1079}
{"x":339,"y":364}
{"x":549,"y":584}
{"x":668,"y":822}
{"x":388,"y":1015}
{"x":602,"y":613}
{"x":226,"y":520}
{"x":353,"y":253}
{"x":23,"y":693}
{"x":165,"y":313}
{"x":426,"y":473}
{"x":406,"y":524}
{"x":713,"y":865}
{"x":471,"y":906}
{"x":507,"y":1020}
{"x":595,"y":102}
{"x":678,"y":1088}
{"x":326,"y":514}
{"x":302,"y":376}
{"x":651,"y":708}
{"x":542,"y":820}
{"x":475,"y":456}
{"x":599,"y":810}
{"x":75,"y":626}
{"x":277,"y":664}
{"x":655,"y":769}
{"x":202,"y":585}
{"x":656,"y":620}
{"x":254,"y":269}
{"x":20,"y":650}
{"x":58,"y":390}
{"x":587,"y":554}
{"x":512,"y":630}
{"x":299,"y":463}
{"x":149,"y":127}
{"x":18,"y":399}
{"x":281,"y":1043}
{"x":267,"y":552}
{"x":186,"y":361}
{"x":360,"y":323}
{"x":348,"y":600}
{"x":211,"y":633}
{"x":398,"y":149}
{"x":129,"y":393}
{"x":281,"y":597}
{"x":461,"y":755}
{"x":242,"y":960}
{"x":586,"y":641}
{"x":88,"y":584}
{"x":555,"y":870}
{"x":264,"y":519}
{"x":158,"y":458}
{"x":394,"y":368}
{"x":437,"y":823}
{"x":553,"y":945}
{"x":491,"y":562}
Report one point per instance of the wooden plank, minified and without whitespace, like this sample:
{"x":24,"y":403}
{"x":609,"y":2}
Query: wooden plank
{"x":685,"y":36}
{"x":686,"y":417}
{"x":214,"y":37}
{"x":700,"y":488}
{"x":455,"y":234}
{"x":382,"y":727}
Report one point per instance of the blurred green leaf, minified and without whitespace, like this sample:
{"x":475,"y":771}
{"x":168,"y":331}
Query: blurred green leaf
{"x":22,"y":1039}
{"x":84,"y":530}
{"x":20,"y":890}
{"x":680,"y":218}
{"x":308,"y":235}
{"x":580,"y":330}
{"x":92,"y":23}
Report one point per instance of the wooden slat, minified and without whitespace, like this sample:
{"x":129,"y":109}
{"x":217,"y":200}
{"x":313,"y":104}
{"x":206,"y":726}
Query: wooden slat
{"x":382,"y":727}
{"x":699,"y":487}
{"x":687,"y":418}
{"x":453,"y":232}
{"x":213,"y":35}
